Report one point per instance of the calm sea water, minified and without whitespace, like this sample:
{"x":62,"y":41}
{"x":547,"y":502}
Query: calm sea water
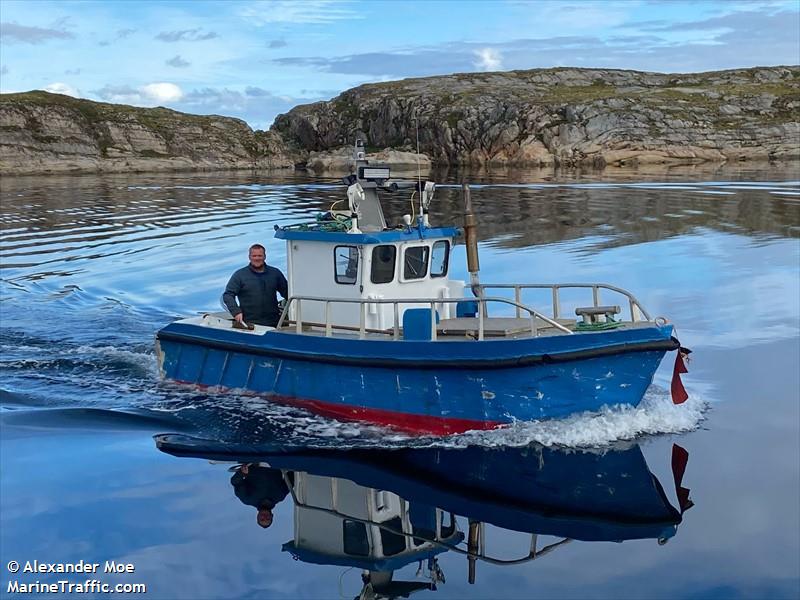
{"x":92,"y":266}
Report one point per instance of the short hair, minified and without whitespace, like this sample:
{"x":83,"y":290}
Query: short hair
{"x":257,"y":247}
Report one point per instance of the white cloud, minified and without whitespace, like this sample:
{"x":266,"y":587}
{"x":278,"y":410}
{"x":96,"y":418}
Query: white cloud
{"x":146,"y":95}
{"x":291,"y":11}
{"x":163,"y":92}
{"x":62,"y":88}
{"x":489,"y":59}
{"x":258,"y":106}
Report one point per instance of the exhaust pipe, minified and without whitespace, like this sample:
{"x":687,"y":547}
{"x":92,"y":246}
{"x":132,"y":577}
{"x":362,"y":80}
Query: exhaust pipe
{"x":473,"y":549}
{"x":471,"y":240}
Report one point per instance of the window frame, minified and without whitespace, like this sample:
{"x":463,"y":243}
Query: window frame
{"x":427,"y":250}
{"x":372,"y":264}
{"x":446,"y":259}
{"x":336,"y":270}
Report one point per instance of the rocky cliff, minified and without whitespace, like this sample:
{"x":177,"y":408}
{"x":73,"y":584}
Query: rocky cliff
{"x":565,"y":116}
{"x":42,"y":132}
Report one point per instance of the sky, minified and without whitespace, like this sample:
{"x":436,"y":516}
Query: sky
{"x":257,"y":59}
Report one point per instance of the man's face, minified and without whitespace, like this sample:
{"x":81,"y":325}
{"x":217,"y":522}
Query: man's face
{"x":264,"y":517}
{"x":257,"y":258}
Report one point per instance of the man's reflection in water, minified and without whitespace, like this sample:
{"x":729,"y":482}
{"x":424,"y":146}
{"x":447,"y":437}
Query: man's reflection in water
{"x":262,"y":487}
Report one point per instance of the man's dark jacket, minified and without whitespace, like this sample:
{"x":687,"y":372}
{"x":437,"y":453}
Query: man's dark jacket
{"x":261,"y":487}
{"x":257,"y":294}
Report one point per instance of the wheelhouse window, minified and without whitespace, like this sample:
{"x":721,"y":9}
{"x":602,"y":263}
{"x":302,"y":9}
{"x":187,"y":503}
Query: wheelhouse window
{"x":393,"y":543}
{"x":354,"y":537}
{"x":440,"y":258}
{"x":383,"y":260}
{"x":345,"y":259}
{"x":415,"y":262}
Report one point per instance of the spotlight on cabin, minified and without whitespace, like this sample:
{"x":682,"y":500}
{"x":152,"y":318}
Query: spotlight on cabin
{"x":373,"y":173}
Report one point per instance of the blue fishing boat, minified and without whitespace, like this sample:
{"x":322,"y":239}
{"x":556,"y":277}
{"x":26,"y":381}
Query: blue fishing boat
{"x":374,"y":329}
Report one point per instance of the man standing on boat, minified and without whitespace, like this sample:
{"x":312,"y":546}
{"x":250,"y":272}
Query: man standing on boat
{"x":256,"y":287}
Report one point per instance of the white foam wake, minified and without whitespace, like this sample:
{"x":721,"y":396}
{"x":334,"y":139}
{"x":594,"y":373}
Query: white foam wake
{"x":655,"y":415}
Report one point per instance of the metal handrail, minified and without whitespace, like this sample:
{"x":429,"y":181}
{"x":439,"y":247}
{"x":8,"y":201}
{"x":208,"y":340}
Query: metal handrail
{"x":362,"y":330}
{"x":633,"y":303}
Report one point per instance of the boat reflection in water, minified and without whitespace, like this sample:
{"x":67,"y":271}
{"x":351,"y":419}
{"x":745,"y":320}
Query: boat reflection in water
{"x":380,"y":510}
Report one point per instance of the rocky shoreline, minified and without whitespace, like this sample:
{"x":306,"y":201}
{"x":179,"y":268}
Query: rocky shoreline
{"x":51,"y":133}
{"x":557,"y":118}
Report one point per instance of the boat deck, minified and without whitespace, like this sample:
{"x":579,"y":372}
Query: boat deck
{"x":497,"y":326}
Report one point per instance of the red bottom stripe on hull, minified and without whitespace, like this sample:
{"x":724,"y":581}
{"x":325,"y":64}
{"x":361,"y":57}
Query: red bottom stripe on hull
{"x":409,"y":423}
{"x":405,"y":422}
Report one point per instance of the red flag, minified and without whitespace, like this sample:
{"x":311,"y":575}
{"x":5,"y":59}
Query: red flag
{"x":679,"y":395}
{"x":679,"y":459}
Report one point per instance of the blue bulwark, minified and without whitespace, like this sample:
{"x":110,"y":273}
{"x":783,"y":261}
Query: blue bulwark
{"x":377,"y":237}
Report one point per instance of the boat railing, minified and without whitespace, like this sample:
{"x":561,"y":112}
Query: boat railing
{"x":478,"y":553}
{"x":637,"y":311}
{"x":297,"y":302}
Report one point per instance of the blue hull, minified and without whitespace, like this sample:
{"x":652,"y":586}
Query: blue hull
{"x":433,"y":387}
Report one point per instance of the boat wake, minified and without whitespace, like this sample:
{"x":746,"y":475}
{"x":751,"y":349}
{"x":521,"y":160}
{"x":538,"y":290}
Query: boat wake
{"x":254,"y":420}
{"x":86,"y":419}
{"x":656,"y":415}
